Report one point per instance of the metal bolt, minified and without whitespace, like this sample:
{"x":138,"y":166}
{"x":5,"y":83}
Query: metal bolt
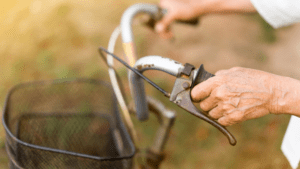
{"x":178,"y":101}
{"x":186,"y":85}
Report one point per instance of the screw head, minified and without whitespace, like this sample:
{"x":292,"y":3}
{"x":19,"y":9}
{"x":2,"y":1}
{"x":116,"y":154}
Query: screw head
{"x":178,"y":101}
{"x":186,"y":85}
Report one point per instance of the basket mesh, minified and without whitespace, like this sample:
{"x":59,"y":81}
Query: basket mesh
{"x":65,"y":124}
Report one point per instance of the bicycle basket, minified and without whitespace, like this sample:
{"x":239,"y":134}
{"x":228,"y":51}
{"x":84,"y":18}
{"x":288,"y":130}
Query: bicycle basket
{"x":65,"y":124}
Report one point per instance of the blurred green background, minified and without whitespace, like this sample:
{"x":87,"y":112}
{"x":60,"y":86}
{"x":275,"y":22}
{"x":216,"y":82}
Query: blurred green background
{"x":54,"y":39}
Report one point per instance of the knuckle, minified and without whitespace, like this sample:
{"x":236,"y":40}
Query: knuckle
{"x":223,"y":121}
{"x":236,"y":117}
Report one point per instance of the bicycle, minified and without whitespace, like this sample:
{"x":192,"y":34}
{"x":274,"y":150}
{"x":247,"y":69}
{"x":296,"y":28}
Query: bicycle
{"x":67,"y":110}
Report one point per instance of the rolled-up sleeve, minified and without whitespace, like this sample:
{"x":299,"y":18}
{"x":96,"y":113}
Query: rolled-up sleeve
{"x":278,"y":13}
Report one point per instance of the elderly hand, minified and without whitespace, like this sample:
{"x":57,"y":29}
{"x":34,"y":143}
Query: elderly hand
{"x":239,"y":94}
{"x":190,"y":9}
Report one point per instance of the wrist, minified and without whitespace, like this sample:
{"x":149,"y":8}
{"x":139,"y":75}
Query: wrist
{"x":286,"y":96}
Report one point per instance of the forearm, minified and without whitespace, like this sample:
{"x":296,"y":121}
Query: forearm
{"x":224,"y":6}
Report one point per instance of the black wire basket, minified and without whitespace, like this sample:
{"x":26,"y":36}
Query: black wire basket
{"x":65,"y":124}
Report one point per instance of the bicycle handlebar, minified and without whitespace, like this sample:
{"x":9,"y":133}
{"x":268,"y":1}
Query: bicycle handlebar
{"x":130,"y":13}
{"x":137,"y":84}
{"x":171,"y":67}
{"x":155,"y":12}
{"x":126,"y":22}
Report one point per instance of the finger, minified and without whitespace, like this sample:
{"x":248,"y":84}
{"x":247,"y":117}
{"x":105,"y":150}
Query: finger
{"x":220,"y":110}
{"x":232,"y":118}
{"x":224,"y":121}
{"x":163,"y":26}
{"x":216,"y":113}
{"x":203,"y":90}
{"x":208,"y":103}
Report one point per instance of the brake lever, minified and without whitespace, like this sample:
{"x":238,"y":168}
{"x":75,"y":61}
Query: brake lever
{"x":181,"y":96}
{"x":181,"y":93}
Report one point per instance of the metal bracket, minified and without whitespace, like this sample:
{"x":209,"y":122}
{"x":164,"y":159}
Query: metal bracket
{"x":188,"y":69}
{"x":182,"y":83}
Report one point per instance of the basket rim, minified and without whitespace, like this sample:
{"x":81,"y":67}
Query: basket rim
{"x":58,"y":81}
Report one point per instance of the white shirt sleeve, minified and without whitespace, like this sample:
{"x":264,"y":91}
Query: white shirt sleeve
{"x":278,"y":13}
{"x":290,"y":145}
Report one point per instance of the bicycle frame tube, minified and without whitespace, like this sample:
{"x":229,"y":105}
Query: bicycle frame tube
{"x":166,"y":120}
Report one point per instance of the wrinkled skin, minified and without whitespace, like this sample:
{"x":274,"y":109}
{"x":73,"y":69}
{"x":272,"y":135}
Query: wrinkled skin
{"x":237,"y":94}
{"x":240,"y":94}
